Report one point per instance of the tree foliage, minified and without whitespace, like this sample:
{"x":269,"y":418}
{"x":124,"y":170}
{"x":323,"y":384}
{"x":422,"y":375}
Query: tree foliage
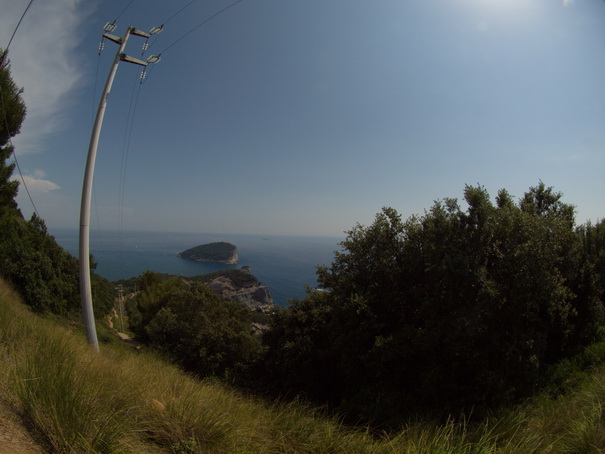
{"x":212,"y":252}
{"x":13,"y":106}
{"x":455,"y":309}
{"x":195,"y":327}
{"x":43,"y":272}
{"x":12,"y":114}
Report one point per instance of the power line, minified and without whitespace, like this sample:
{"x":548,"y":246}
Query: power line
{"x":168,"y":20}
{"x":178,"y":12}
{"x":205,"y":21}
{"x":134,"y":99}
{"x":124,"y":10}
{"x":15,"y":30}
{"x":2,"y":57}
{"x":10,"y":142}
{"x":4,"y":114}
{"x":23,"y":179}
{"x":202,"y":23}
{"x":94,"y":90}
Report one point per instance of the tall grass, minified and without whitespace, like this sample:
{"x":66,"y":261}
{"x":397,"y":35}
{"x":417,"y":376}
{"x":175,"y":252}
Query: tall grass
{"x":120,"y":401}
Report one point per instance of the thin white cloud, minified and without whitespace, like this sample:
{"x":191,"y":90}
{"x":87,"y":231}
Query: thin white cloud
{"x":42,"y":62}
{"x":38,"y":173}
{"x":37,"y":185}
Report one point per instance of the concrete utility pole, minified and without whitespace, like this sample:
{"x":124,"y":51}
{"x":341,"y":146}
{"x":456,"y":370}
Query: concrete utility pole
{"x":85,"y":290}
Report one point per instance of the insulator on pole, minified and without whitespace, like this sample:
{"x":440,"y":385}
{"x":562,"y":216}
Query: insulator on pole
{"x":109,"y":27}
{"x":101,"y":45}
{"x":145,"y":46}
{"x":143,"y":75}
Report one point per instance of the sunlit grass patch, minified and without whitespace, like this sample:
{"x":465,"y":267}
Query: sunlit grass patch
{"x":122,"y":401}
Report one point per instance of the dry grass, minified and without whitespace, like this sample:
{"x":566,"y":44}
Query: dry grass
{"x":72,"y":400}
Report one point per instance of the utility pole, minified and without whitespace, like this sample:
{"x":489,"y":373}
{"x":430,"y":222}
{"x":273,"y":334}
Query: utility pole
{"x":85,"y":289}
{"x":121,"y":306}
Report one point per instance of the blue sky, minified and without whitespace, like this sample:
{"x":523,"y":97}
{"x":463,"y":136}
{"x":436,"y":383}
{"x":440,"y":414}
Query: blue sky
{"x":305,"y":117}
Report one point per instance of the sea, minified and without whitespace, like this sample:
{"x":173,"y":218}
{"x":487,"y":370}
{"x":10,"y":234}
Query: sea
{"x":285,"y":264}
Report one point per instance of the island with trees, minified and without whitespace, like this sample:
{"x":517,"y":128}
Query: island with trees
{"x":219,"y":252}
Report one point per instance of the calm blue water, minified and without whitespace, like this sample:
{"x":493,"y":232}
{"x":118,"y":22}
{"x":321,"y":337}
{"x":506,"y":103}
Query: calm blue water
{"x":283,"y":263}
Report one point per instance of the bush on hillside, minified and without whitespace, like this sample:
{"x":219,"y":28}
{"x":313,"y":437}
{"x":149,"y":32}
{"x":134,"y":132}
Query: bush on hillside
{"x":238,"y":277}
{"x":201,"y":331}
{"x":454,"y":310}
{"x":43,"y":272}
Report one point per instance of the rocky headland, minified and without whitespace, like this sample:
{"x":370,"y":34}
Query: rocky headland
{"x":242,"y":287}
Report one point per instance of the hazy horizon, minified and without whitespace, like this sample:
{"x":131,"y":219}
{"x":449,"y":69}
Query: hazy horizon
{"x":305,"y":118}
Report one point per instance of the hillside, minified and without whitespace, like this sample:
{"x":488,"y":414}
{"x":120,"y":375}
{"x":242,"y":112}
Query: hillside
{"x":73,"y":400}
{"x":240,"y":286}
{"x":237,"y":285}
{"x":56,"y":395}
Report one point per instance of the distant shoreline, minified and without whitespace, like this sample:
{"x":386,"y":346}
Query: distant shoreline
{"x":285,"y":264}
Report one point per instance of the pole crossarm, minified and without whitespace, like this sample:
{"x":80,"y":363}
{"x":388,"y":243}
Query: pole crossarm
{"x":115,"y":39}
{"x":134,"y":31}
{"x":136,"y":61}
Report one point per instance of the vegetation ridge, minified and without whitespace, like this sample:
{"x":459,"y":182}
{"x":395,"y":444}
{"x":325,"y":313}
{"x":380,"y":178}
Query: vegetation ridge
{"x":72,"y":400}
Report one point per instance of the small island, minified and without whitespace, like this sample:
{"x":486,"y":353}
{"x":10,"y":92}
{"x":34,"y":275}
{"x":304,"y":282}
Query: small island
{"x":219,"y":252}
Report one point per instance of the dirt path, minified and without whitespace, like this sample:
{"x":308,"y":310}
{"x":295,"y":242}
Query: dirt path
{"x":14,"y":438}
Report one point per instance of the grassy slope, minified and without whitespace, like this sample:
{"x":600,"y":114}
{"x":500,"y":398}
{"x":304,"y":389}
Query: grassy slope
{"x":72,"y":400}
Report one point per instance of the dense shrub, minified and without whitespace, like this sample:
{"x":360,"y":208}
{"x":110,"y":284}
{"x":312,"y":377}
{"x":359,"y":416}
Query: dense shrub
{"x":43,"y":272}
{"x":198,"y":329}
{"x":454,"y":310}
{"x":239,"y":278}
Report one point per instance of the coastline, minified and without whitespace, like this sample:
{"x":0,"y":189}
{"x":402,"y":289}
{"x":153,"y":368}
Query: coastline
{"x":285,"y":264}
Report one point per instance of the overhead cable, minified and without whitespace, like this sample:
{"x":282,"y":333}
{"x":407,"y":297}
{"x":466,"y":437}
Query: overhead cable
{"x":15,"y":31}
{"x":178,"y":12}
{"x":124,"y":10}
{"x":202,"y":23}
{"x":10,"y":143}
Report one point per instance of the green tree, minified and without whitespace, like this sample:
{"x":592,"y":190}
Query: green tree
{"x":300,"y":345}
{"x":155,"y":290}
{"x":12,"y":114}
{"x":588,"y":279}
{"x":44,"y":273}
{"x":450,"y":310}
{"x":198,"y":329}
